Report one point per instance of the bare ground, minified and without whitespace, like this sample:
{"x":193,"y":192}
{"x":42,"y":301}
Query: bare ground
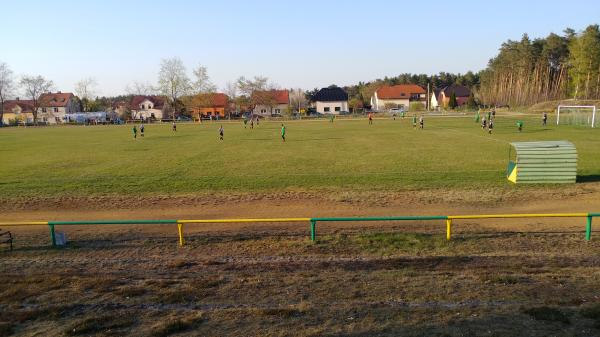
{"x":532,"y":277}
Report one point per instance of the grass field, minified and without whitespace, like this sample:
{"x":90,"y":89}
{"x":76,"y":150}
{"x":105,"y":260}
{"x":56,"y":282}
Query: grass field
{"x":345,"y":155}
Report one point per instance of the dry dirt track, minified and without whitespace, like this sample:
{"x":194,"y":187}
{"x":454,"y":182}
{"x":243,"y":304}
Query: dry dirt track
{"x":535,"y":277}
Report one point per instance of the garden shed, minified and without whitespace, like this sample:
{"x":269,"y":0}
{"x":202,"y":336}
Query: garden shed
{"x":544,"y":162}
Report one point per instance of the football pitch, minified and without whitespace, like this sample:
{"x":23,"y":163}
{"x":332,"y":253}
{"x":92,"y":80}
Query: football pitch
{"x":389,"y":155}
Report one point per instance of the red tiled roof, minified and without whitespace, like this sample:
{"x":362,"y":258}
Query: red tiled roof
{"x":158,"y":101}
{"x":26,"y":105}
{"x":399,"y":91}
{"x":211,"y":100}
{"x":55,"y":100}
{"x":279,"y":96}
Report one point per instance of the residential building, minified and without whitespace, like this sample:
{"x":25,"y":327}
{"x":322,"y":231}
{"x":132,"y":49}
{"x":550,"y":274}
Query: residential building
{"x":270,"y":102}
{"x":398,"y":97}
{"x":208,"y":105}
{"x":434,"y":104}
{"x":148,"y":107}
{"x":52,"y":107}
{"x":332,"y":100}
{"x":462,"y":95}
{"x":17,"y":112}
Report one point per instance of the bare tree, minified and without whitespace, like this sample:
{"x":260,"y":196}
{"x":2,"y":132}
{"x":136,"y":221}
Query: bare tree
{"x":298,"y":99}
{"x":248,"y":86}
{"x":139,"y":88}
{"x":202,"y":83}
{"x":173,"y":80}
{"x":6,"y":87}
{"x":231,"y":91}
{"x":85,"y":90}
{"x":34,"y":86}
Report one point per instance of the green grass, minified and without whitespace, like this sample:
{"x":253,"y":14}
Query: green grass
{"x":345,"y":155}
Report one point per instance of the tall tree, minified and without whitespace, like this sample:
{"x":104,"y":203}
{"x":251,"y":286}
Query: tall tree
{"x":85,"y":89}
{"x":231,"y":91}
{"x":6,"y":87}
{"x":173,"y":81}
{"x":202,"y":83}
{"x":585,"y":62}
{"x":34,"y":86}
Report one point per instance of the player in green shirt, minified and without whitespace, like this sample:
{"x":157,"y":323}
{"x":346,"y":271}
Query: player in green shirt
{"x":415,"y":122}
{"x":520,"y":125}
{"x":283,"y":132}
{"x":134,"y":132}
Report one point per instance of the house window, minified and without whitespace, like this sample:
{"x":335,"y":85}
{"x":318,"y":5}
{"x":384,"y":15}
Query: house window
{"x":277,"y":111}
{"x":143,"y":107}
{"x":55,"y":109}
{"x":326,"y":109}
{"x":263,"y":111}
{"x":43,"y":109}
{"x":337,"y":108}
{"x":57,"y":119}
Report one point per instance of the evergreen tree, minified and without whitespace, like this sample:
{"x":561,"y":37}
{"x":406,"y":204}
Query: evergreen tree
{"x":453,"y":103}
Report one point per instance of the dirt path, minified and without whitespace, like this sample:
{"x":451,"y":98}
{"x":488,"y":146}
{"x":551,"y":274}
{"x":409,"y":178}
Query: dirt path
{"x":574,"y":198}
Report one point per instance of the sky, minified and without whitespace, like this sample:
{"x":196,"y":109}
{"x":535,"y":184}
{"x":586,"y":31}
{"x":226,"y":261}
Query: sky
{"x":296,"y":44}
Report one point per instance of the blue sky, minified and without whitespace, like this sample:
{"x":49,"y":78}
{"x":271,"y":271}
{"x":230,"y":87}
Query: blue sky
{"x":302,"y":44}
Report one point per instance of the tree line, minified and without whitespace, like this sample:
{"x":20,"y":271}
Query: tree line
{"x":556,"y":67}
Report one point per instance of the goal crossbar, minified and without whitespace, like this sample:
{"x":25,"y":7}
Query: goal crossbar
{"x":593,"y":107}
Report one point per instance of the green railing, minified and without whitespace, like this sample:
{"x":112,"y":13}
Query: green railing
{"x":313,"y":222}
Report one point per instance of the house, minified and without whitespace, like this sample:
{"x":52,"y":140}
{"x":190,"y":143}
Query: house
{"x":208,"y":105}
{"x":17,"y":112}
{"x":148,"y":107}
{"x":462,"y":94}
{"x":397,"y":96}
{"x":434,"y":104}
{"x":52,"y":107}
{"x":332,"y":100}
{"x":267,"y":103}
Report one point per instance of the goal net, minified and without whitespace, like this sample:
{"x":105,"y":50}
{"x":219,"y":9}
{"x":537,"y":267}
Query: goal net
{"x":576,"y":115}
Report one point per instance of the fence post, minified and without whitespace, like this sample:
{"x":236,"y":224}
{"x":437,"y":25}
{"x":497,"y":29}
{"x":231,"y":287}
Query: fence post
{"x":588,"y":228}
{"x":313,"y":230}
{"x":448,"y":229}
{"x":52,"y":235}
{"x":180,"y":229}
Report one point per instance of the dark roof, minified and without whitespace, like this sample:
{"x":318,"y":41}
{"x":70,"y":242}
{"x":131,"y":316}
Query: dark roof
{"x":334,"y":94}
{"x":458,"y":90}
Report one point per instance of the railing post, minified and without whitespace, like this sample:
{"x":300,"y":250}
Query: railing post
{"x":448,"y":229}
{"x":180,"y":229}
{"x":588,"y":228}
{"x":52,"y":235}
{"x":313,"y":230}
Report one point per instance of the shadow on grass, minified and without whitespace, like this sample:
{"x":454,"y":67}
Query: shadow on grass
{"x":588,"y":178}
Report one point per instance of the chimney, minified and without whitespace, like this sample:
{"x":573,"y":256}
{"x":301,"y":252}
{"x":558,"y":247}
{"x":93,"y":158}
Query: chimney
{"x":58,"y":92}
{"x":17,"y":98}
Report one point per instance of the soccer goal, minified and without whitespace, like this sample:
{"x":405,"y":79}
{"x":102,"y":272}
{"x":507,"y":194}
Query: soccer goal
{"x":576,"y":115}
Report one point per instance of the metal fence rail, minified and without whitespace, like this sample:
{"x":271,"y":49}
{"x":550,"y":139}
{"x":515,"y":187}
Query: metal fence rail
{"x":449,"y":219}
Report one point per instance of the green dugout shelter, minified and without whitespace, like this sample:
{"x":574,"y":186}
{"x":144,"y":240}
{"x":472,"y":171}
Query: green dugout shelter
{"x":542,"y":162}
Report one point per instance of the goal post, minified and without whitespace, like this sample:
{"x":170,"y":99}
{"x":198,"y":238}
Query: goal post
{"x":576,"y":115}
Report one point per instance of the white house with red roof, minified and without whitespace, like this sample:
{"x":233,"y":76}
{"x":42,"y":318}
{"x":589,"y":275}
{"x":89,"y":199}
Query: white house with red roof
{"x":52,"y":107}
{"x":148,"y":107}
{"x":397,"y":96}
{"x":270,"y":102}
